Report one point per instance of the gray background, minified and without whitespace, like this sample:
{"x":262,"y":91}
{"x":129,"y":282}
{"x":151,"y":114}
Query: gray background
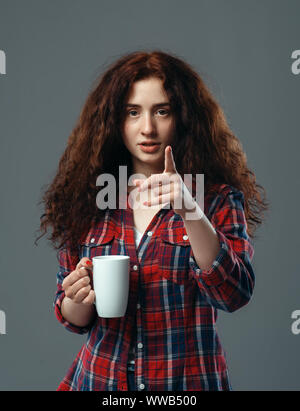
{"x":55,"y":50}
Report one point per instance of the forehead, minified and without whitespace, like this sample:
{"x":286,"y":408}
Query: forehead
{"x":150,"y":89}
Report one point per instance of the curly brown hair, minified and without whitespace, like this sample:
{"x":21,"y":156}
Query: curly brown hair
{"x":203,"y":143}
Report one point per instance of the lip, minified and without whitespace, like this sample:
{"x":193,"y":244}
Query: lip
{"x":150,"y":147}
{"x":149,"y":142}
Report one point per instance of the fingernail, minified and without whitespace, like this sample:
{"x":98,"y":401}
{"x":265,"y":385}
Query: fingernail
{"x":89,"y":262}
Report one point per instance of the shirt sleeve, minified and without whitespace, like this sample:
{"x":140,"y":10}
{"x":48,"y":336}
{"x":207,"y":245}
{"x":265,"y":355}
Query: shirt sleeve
{"x":67,"y":263}
{"x":228,"y":284}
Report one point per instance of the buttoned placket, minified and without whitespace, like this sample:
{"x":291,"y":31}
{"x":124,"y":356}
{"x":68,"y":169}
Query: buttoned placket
{"x":139,"y":335}
{"x":136,"y":259}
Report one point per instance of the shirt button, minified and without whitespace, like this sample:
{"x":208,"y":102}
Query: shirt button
{"x":149,"y":233}
{"x":142,"y":386}
{"x":185,"y":237}
{"x":140,"y":345}
{"x":138,"y":306}
{"x":92,"y":240}
{"x":135,"y":267}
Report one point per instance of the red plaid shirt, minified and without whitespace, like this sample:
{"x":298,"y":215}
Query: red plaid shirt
{"x":172,"y":304}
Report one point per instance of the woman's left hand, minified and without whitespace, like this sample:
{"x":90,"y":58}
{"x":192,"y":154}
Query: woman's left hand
{"x":168,"y":187}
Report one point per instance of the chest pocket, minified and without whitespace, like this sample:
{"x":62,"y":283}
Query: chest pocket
{"x":98,"y":246}
{"x":174,"y":254}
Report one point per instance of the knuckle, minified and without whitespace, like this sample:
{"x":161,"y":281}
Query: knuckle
{"x":82,"y":272}
{"x":74,"y":274}
{"x":81,"y":295}
{"x":68,"y":293}
{"x":83,"y":291}
{"x":88,"y":300}
{"x":77,"y":299}
{"x":85,"y":280}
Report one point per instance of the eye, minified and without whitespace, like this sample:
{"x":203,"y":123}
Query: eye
{"x":132,"y":111}
{"x":166,"y":111}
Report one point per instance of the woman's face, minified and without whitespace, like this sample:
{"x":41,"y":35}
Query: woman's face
{"x":148,"y":120}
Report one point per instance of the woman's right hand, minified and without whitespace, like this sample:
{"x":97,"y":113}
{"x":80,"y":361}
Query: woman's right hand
{"x":77,"y":285}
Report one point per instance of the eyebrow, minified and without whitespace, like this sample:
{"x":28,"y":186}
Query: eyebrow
{"x":154,"y":105}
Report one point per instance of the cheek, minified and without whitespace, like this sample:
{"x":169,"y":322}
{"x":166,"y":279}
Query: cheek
{"x":169,"y":127}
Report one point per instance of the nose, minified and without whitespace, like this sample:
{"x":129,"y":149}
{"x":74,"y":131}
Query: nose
{"x":148,"y":125}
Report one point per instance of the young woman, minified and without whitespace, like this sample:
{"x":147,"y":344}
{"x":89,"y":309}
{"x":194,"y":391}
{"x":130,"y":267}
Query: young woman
{"x":151,"y":112}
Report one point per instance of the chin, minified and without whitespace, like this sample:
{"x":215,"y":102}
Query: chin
{"x":151,"y":158}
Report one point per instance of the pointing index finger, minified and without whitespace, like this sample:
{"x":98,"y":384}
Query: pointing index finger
{"x":169,"y":161}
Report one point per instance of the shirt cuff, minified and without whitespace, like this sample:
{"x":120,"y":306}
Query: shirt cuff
{"x":221,"y":267}
{"x":69,"y":326}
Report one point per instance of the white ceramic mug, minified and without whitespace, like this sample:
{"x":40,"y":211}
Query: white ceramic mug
{"x":111,"y":284}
